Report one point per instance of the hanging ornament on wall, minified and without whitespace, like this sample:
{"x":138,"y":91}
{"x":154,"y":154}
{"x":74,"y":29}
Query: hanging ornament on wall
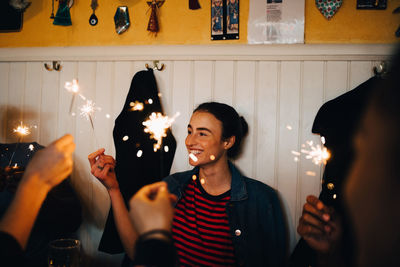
{"x":121,"y":19}
{"x":153,"y":25}
{"x":93,"y":18}
{"x":63,"y":16}
{"x":328,"y":8}
{"x":194,"y":4}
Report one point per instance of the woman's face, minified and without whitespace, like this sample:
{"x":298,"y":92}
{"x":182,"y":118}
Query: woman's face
{"x":204,"y":139}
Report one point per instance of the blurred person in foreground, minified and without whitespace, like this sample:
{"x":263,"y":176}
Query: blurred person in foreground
{"x":372,"y":189}
{"x":48,"y":168}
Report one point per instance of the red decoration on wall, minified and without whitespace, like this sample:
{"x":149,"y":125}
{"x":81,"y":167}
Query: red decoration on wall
{"x":153,"y":25}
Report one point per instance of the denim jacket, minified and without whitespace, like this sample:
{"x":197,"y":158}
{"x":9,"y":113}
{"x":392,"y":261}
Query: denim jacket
{"x":255,"y":218}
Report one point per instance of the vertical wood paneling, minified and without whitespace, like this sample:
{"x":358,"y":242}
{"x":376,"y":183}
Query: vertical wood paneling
{"x":32,"y":96}
{"x":336,"y":79}
{"x":311,"y":101}
{"x":4,"y":83}
{"x":66,"y":121}
{"x":288,"y":139}
{"x":266,"y":103}
{"x":360,"y":72}
{"x":85,"y":143}
{"x":203,"y":79}
{"x":49,"y":107}
{"x":245,"y":106}
{"x":16,"y":86}
{"x":224,"y":82}
{"x":181,"y":103}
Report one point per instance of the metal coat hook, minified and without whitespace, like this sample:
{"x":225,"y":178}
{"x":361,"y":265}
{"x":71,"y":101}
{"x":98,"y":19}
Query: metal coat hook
{"x":56,"y":66}
{"x":381,"y":69}
{"x":155,"y":66}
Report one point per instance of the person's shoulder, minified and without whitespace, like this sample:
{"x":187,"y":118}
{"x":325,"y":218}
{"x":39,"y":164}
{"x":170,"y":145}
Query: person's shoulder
{"x":178,"y":176}
{"x":254,"y":185}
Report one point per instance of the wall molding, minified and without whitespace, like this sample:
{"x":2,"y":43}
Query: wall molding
{"x":309,"y":52}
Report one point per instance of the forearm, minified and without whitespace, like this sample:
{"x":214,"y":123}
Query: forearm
{"x":21,"y":214}
{"x":123,"y":223}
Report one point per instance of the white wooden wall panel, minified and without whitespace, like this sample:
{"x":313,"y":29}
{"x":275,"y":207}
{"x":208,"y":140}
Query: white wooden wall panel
{"x":287,"y":172}
{"x":245,"y":104}
{"x":266,"y":98}
{"x":224,"y":82}
{"x":32,"y":96}
{"x":4,"y":104}
{"x":278,"y":95}
{"x":181,"y":102}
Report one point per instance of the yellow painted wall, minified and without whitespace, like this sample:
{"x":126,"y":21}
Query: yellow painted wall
{"x":179,"y":25}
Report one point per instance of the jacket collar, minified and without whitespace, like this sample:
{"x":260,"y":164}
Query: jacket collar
{"x":238,"y":186}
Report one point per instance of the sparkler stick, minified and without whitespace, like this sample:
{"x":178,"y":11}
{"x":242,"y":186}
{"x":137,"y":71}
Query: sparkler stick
{"x":73,"y":87}
{"x":21,"y":130}
{"x":88,"y":111}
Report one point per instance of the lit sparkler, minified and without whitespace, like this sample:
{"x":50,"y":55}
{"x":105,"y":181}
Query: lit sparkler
{"x":317,"y":154}
{"x":88,"y":110}
{"x":157,"y":126}
{"x":73,"y":87}
{"x":21,"y":130}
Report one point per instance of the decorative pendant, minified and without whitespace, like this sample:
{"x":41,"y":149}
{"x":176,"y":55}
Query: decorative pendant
{"x":194,"y":4}
{"x":93,"y":18}
{"x":328,"y":8}
{"x":121,"y":19}
{"x":153,"y":25}
{"x":63,"y":16}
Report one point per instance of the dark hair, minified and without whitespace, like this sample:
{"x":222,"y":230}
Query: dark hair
{"x":232,"y":123}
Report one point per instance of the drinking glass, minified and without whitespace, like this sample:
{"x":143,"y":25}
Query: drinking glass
{"x":64,"y":253}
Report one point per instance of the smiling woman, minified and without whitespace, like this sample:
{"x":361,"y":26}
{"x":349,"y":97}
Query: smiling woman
{"x":222,"y":218}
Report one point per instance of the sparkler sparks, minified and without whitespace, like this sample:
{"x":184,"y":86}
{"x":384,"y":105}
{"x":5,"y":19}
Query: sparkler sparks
{"x":157,"y":126}
{"x":22,"y":130}
{"x":136,"y":106}
{"x":317,"y":154}
{"x":88,"y":110}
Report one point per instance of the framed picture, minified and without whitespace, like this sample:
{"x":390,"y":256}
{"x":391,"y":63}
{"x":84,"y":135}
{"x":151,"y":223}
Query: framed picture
{"x":224,"y":19}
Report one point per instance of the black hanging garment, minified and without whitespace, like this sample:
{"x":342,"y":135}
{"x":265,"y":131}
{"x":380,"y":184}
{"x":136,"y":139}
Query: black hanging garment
{"x":337,"y":120}
{"x":135,"y":170}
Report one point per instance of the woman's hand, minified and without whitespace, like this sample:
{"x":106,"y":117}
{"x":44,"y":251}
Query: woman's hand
{"x":320,"y":226}
{"x":102,"y":167}
{"x":51,"y":165}
{"x":151,"y":208}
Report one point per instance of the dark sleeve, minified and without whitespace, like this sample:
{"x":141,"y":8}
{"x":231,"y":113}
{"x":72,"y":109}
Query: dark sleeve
{"x":147,"y":249}
{"x":11,"y":253}
{"x":280,"y":231}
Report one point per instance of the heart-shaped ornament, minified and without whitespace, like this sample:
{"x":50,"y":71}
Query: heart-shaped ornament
{"x":328,"y":8}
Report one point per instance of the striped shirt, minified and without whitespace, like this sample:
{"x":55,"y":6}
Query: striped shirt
{"x":200,"y":228}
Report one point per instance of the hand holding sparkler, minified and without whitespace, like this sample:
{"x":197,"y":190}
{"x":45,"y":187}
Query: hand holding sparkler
{"x":320,"y":226}
{"x":102,"y":167}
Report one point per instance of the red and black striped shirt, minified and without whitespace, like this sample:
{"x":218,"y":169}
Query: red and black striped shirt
{"x":200,"y":228}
